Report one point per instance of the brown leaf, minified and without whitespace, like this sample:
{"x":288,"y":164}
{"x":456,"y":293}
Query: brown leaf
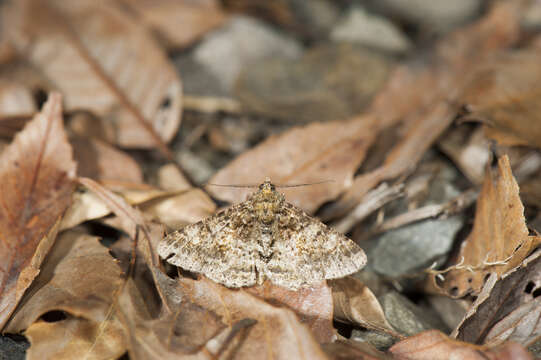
{"x":434,"y":345}
{"x":80,"y":277}
{"x":185,"y":332}
{"x":179,"y":23}
{"x":278,"y":334}
{"x":120,"y":72}
{"x":499,"y":240}
{"x":356,"y":304}
{"x":470,"y":151}
{"x":354,"y":350}
{"x":296,"y":158}
{"x":420,"y":101}
{"x":37,"y":172}
{"x":15,"y":100}
{"x":101,"y":161}
{"x":312,"y":305}
{"x":504,"y":95}
{"x":74,"y":338}
{"x":508,"y":309}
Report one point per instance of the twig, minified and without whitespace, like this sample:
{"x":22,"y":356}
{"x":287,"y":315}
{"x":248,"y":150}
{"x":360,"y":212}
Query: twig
{"x":451,"y":207}
{"x":208,"y":104}
{"x":372,"y":201}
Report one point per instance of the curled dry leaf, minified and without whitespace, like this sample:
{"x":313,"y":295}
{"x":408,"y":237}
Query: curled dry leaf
{"x":434,"y":345}
{"x":172,"y":208}
{"x":356,"y":304}
{"x":424,"y":114}
{"x":178,"y":23}
{"x":37,"y":172}
{"x":74,"y":338}
{"x":121,"y":73}
{"x":295,"y":158}
{"x":504,"y":95}
{"x":81,"y":279}
{"x":508,"y":309}
{"x":499,"y":240}
{"x":169,"y":335}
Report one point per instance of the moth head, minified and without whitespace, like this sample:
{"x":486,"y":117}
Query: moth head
{"x":267,"y":187}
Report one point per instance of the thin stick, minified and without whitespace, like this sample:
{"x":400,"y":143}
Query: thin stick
{"x":277,"y":186}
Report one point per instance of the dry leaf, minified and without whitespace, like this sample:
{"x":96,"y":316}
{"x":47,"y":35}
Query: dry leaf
{"x":313,"y":306}
{"x":356,"y":304}
{"x":16,"y":100}
{"x":278,"y":334}
{"x":434,"y":345}
{"x":499,"y":240}
{"x":295,"y":158}
{"x":37,"y":172}
{"x":179,"y":23}
{"x":508,"y":309}
{"x":101,"y":161}
{"x":353,"y":350}
{"x":423,"y":114}
{"x":80,"y":277}
{"x":469,"y":150}
{"x":121,"y":72}
{"x":504,"y":95}
{"x":171,"y":334}
{"x":74,"y":338}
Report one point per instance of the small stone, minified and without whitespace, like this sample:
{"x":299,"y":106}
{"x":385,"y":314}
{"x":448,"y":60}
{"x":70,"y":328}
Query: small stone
{"x":330,"y":82}
{"x":363,"y":28}
{"x":240,"y":44}
{"x":406,"y":317}
{"x":415,"y":246}
{"x":439,"y":15}
{"x":380,"y":341}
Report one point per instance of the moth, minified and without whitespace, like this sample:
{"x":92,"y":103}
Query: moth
{"x":263,"y":238}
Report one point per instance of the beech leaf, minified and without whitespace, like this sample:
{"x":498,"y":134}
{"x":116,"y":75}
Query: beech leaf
{"x":499,"y":240}
{"x":37,"y":172}
{"x":120,"y":71}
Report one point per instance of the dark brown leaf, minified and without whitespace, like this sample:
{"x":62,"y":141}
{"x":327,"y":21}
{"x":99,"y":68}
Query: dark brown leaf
{"x":37,"y":172}
{"x":507,"y":309}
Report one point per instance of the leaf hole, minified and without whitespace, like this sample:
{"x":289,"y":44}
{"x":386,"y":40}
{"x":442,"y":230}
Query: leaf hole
{"x":536,"y":292}
{"x":40,"y":97}
{"x":165,"y":104}
{"x":453,"y":291}
{"x":54,"y":316}
{"x":529,"y":287}
{"x":470,"y":280}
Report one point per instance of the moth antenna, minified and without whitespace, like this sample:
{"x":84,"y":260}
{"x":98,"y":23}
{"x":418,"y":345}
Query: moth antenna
{"x":277,"y":186}
{"x":307,"y":184}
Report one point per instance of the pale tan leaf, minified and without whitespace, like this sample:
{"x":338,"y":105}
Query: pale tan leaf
{"x":37,"y":172}
{"x":434,"y":345}
{"x":356,"y":304}
{"x":178,"y":23}
{"x":499,"y":240}
{"x":296,"y":158}
{"x":103,"y":61}
{"x":74,"y":338}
